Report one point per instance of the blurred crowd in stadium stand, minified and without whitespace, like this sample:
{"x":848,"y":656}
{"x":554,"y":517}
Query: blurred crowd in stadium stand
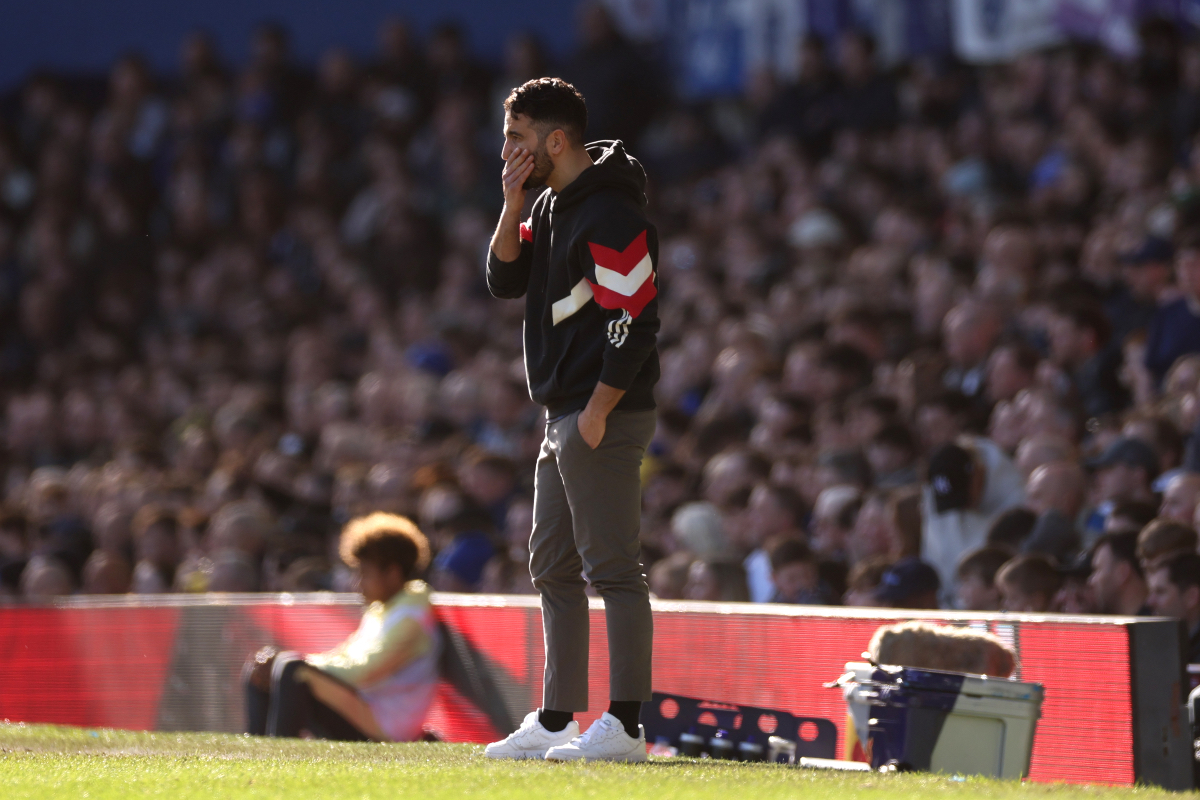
{"x":929,"y":336}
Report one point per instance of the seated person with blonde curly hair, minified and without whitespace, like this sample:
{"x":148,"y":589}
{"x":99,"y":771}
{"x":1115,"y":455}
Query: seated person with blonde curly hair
{"x":379,"y":683}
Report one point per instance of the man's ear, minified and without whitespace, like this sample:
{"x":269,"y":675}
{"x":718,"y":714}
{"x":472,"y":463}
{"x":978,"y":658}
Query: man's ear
{"x":556,"y":142}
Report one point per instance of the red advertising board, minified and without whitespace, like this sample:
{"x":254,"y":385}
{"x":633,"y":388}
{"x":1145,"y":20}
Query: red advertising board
{"x":172,"y":663}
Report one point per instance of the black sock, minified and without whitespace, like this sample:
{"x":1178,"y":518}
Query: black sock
{"x":554,"y":721}
{"x":628,"y":712}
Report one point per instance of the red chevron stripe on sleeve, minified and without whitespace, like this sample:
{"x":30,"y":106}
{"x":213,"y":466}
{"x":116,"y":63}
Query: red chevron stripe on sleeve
{"x":624,"y":278}
{"x":527,"y":230}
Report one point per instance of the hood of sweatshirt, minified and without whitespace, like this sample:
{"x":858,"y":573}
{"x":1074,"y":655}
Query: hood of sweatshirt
{"x":612,"y":168}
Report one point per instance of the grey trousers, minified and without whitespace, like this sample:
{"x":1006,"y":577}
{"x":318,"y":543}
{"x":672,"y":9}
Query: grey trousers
{"x":586,"y":519}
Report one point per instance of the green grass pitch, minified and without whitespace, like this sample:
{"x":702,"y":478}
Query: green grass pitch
{"x":52,"y":762}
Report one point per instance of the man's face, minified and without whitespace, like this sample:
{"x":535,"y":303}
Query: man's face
{"x":974,"y":594}
{"x":1076,"y":597}
{"x":1107,"y":577}
{"x":1164,"y":597}
{"x":1179,"y":501}
{"x":936,"y":426}
{"x":1005,"y":377}
{"x":1120,"y":482}
{"x":520,"y":134}
{"x":872,"y":532}
{"x":795,"y":579}
{"x":1065,"y":341}
{"x":766,"y":516}
{"x":702,"y":583}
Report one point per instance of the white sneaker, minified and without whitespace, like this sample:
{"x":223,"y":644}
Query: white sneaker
{"x":531,"y":740}
{"x":606,"y":740}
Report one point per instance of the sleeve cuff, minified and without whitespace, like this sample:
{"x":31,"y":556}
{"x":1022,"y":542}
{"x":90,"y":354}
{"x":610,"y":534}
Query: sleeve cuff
{"x":618,"y":376}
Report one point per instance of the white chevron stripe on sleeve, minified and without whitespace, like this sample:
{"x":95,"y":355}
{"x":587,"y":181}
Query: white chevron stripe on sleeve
{"x":618,"y":329}
{"x":625,"y":284}
{"x":580,"y":294}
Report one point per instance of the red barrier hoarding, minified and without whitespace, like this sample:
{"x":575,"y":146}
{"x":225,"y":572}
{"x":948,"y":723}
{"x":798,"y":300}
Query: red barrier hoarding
{"x":172,"y":663}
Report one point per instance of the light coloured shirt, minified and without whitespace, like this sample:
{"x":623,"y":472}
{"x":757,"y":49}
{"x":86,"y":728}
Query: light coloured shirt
{"x":758,"y":576}
{"x":947,"y":537}
{"x":391,"y":659}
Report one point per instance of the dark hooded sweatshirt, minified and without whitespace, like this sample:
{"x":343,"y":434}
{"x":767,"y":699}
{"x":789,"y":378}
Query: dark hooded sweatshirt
{"x":589,"y":272}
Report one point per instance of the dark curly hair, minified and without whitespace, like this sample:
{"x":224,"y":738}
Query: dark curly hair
{"x":551,"y":104}
{"x":385,"y":539}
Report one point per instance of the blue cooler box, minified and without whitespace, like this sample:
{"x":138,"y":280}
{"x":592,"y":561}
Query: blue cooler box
{"x":951,"y":721}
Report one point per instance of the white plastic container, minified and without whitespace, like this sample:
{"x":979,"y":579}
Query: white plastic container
{"x":942,"y":721}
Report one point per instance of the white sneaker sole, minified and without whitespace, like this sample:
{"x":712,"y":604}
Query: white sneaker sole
{"x":578,"y":756}
{"x":519,"y":755}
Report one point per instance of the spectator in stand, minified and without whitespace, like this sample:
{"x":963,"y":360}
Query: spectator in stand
{"x":1146,"y":278}
{"x":669,"y":576}
{"x":1028,"y":583}
{"x":156,"y":538}
{"x":795,"y":573}
{"x":975,"y":579}
{"x":875,"y":532}
{"x":1161,"y":434}
{"x":904,"y":518}
{"x":1011,"y":529}
{"x":1175,"y":329}
{"x":969,"y":486}
{"x":908,"y":583}
{"x":892,"y":454}
{"x":1180,"y":498}
{"x":773,"y":511}
{"x":698,"y":529}
{"x":1174,"y":591}
{"x":970,"y":331}
{"x":1079,"y":338}
{"x":468,"y":545}
{"x":232,"y":571}
{"x":1011,"y":369}
{"x":1039,"y":449}
{"x":1130,"y":516}
{"x":804,"y":109}
{"x":844,"y":467}
{"x":718,"y":581}
{"x":491,"y":481}
{"x":1076,"y":595}
{"x":46,"y":577}
{"x":863,"y":582}
{"x":941,"y":419}
{"x":1161,"y":539}
{"x":1123,"y":473}
{"x":866,"y":100}
{"x":1056,"y":492}
{"x":833,"y":519}
{"x":106,"y":573}
{"x":1117,"y":579}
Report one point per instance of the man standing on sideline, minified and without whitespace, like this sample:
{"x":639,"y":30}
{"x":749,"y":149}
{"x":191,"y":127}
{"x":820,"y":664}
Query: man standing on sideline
{"x":585,"y":262}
